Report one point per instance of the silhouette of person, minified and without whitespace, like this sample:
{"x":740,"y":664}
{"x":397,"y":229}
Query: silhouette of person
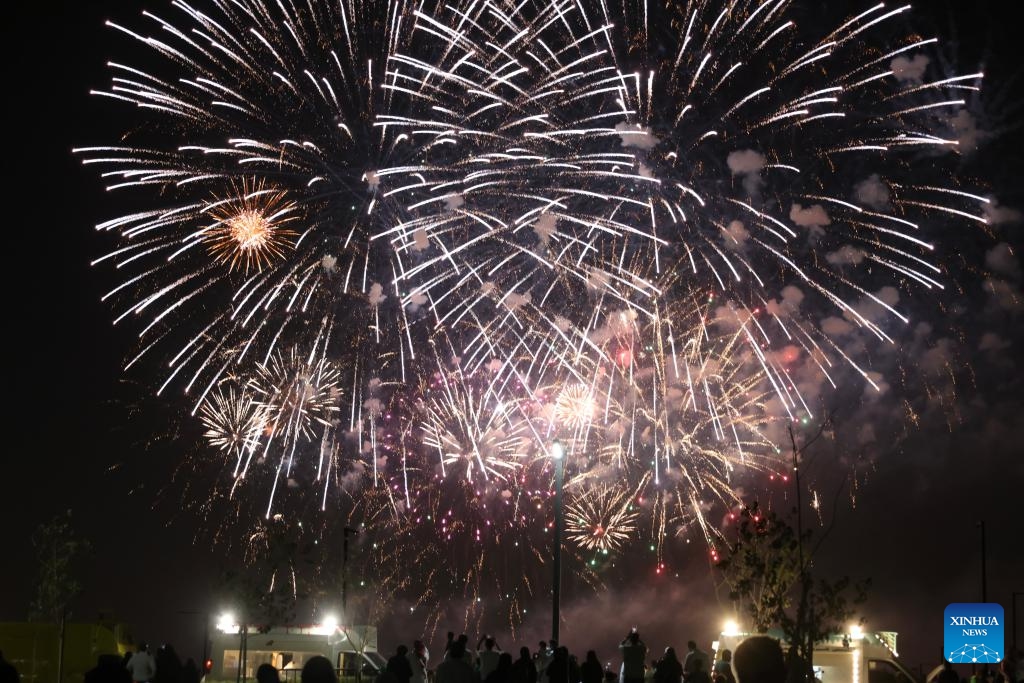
{"x":8,"y":673}
{"x":693,"y":655}
{"x":523,"y":669}
{"x":318,"y":670}
{"x":266,"y":673}
{"x":1010,"y":667}
{"x":487,"y":657}
{"x":591,"y":670}
{"x":502,"y":671}
{"x":668,"y":669}
{"x":723,"y":668}
{"x":947,"y":675}
{"x":574,"y":668}
{"x":190,"y":672}
{"x":546,"y":654}
{"x":142,"y":666}
{"x":558,"y":669}
{"x":398,"y":665}
{"x":107,"y":670}
{"x":448,"y":644}
{"x":468,"y":655}
{"x":759,"y":659}
{"x":418,"y":659}
{"x":456,"y":669}
{"x":633,"y":654}
{"x":168,"y":666}
{"x":699,"y":675}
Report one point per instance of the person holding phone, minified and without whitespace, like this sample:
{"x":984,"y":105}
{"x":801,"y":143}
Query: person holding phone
{"x":634,"y":652}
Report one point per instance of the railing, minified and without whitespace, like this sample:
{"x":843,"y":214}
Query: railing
{"x":343,"y":676}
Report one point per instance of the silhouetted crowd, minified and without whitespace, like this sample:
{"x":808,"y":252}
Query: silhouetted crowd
{"x":757,"y":659}
{"x":135,"y":667}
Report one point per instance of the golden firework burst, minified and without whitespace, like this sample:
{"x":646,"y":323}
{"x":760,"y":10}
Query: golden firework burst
{"x":249,"y":232}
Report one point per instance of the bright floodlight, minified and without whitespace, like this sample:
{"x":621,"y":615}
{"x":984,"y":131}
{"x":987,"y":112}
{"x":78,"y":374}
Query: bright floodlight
{"x":226,"y":623}
{"x":330,"y":623}
{"x":731,"y":628}
{"x":557,"y":450}
{"x":856,"y":631}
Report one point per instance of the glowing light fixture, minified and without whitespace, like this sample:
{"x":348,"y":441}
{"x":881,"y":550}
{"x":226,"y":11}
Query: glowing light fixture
{"x":226,"y":623}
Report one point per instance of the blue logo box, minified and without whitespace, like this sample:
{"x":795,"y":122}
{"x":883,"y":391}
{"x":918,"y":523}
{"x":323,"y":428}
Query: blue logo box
{"x":973,"y":633}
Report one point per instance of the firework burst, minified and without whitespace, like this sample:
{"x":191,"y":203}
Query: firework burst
{"x":768,"y":154}
{"x":296,"y":392}
{"x":575,"y":407}
{"x":273,"y":419}
{"x":650,"y":230}
{"x":234,"y":421}
{"x":258,"y":155}
{"x":476,"y":427}
{"x":602,"y":518}
{"x":249,"y":231}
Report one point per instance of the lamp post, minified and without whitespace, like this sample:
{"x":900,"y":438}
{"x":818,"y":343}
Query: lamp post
{"x":346,"y":532}
{"x":344,"y":572}
{"x":558,"y":454}
{"x":984,"y":573}
{"x":984,"y":578}
{"x":1013,"y":612}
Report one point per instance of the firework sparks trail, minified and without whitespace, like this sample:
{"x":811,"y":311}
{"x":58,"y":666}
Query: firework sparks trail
{"x":650,"y":230}
{"x":263,"y":187}
{"x":474,"y":429}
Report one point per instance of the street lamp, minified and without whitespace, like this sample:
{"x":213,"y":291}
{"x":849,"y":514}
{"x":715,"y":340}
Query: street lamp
{"x":984,"y":577}
{"x":347,"y":621}
{"x":227,"y":623}
{"x":1013,"y":611}
{"x":558,"y":454}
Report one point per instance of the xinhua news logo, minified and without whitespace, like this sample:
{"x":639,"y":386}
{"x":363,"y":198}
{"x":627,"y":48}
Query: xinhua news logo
{"x":973,"y":633}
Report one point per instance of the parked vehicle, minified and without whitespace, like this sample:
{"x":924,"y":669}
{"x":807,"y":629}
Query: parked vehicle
{"x":854,"y":657}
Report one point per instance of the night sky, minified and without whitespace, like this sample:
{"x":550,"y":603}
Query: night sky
{"x":84,"y":436}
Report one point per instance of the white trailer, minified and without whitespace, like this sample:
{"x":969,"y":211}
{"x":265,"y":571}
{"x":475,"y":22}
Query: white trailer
{"x":855,"y":657}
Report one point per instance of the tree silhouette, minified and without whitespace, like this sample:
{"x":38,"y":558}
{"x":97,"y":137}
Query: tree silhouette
{"x":770,"y":569}
{"x":58,"y":551}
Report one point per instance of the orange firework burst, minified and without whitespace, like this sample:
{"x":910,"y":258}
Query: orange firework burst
{"x":249,"y":232}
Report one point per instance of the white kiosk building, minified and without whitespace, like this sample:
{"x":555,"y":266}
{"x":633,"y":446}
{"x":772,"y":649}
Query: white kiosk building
{"x":351,"y":649}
